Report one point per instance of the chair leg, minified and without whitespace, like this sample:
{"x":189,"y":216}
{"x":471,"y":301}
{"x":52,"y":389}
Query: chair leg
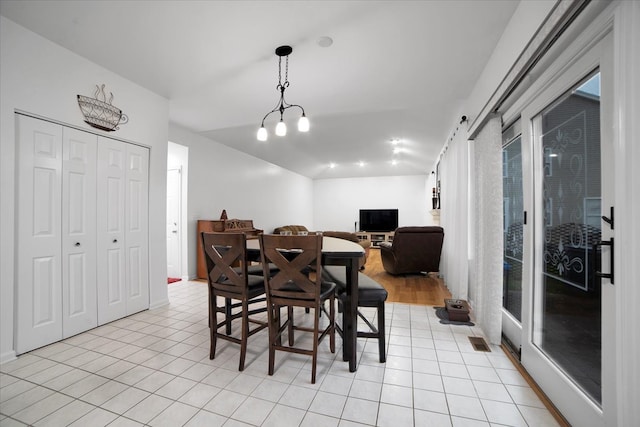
{"x":213,"y":324}
{"x":314,"y":356}
{"x":290,"y":320}
{"x":274,"y":326}
{"x":227,"y":311}
{"x":381,"y":333}
{"x":332,"y":319}
{"x":245,"y":334}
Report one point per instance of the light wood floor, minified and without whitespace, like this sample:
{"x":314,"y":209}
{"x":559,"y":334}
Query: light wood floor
{"x":410,"y":288}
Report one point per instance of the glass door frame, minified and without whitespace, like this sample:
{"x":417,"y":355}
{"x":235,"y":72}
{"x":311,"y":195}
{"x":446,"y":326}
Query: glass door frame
{"x":511,"y":326}
{"x":561,"y":75}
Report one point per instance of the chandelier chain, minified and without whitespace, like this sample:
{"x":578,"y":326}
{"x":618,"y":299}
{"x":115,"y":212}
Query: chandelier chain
{"x":286,"y":73}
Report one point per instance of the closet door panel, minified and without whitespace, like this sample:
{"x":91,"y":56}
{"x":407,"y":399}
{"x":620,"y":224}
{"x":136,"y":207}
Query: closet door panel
{"x":38,"y":276}
{"x":111,"y":277}
{"x":79,"y":299}
{"x":137,"y":229}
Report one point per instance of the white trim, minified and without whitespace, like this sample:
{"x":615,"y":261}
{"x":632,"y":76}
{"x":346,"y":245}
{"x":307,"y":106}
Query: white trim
{"x":627,"y":228}
{"x":8,"y":357}
{"x":158,"y":304}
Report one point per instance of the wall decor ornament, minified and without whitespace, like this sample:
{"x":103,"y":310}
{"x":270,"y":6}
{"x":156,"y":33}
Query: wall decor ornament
{"x":99,"y":112}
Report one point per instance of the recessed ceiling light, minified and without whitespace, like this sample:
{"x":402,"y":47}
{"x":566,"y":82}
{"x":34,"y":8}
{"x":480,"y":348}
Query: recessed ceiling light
{"x":361,"y":164}
{"x":395,"y":141}
{"x":397,"y":150}
{"x":332,"y":165}
{"x":394,"y":162}
{"x":325,"y":41}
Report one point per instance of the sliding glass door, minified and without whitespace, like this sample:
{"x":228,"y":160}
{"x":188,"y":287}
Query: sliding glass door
{"x":557,"y":216}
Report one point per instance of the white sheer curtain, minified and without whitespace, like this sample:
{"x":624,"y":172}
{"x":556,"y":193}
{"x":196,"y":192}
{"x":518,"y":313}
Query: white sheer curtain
{"x":485,"y":268}
{"x":454,"y":215}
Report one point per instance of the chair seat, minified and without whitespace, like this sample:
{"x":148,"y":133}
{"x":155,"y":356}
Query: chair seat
{"x":256,"y":269}
{"x":326,"y":288}
{"x":255,"y":285}
{"x":370,"y":292}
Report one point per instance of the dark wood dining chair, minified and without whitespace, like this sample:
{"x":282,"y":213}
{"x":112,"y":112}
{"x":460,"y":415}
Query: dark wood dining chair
{"x":293,"y":286}
{"x":226,"y":258}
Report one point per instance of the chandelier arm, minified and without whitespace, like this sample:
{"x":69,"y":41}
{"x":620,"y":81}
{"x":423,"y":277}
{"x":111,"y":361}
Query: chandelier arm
{"x":295,"y":105}
{"x":268,"y":114}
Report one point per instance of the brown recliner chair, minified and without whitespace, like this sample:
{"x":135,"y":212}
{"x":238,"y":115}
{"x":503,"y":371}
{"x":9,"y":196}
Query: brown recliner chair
{"x":414,"y":250}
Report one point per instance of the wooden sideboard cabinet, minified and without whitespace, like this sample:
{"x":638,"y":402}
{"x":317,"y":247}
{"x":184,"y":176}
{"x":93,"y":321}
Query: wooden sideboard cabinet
{"x":219,"y":225}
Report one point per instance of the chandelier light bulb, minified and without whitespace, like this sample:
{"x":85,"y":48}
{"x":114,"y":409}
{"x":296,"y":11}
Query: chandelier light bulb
{"x":281,"y":128}
{"x":262,"y":134}
{"x":303,"y":124}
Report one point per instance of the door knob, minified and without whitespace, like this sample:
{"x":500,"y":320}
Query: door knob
{"x":77,"y":244}
{"x":115,"y":240}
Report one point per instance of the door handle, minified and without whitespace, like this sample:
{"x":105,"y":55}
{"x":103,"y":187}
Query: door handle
{"x":609,"y":243}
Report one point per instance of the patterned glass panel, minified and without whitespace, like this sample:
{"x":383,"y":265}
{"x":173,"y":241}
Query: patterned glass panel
{"x":513,"y":222}
{"x":568,"y":324}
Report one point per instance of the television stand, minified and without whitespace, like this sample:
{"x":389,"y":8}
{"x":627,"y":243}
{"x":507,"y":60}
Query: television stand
{"x":375,"y":237}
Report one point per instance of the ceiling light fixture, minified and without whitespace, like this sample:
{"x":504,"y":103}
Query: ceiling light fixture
{"x":281,"y":127}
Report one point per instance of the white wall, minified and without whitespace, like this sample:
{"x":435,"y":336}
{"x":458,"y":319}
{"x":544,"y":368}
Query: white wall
{"x":337,"y":202}
{"x":40,"y":77}
{"x":523,"y":25}
{"x":245,"y":186}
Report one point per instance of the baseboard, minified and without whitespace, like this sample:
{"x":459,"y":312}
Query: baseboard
{"x":8,"y":356}
{"x":159,"y":304}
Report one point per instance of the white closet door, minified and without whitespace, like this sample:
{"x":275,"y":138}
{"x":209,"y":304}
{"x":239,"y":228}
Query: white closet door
{"x":111,"y":230}
{"x":79,"y":301}
{"x":137,"y":228}
{"x":38,"y":287}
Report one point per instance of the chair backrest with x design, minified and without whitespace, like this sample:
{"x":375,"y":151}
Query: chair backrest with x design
{"x":223,"y":252}
{"x":293,"y":255}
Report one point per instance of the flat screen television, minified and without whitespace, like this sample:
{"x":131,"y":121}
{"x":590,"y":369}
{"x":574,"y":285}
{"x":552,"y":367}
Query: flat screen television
{"x":378,"y":219}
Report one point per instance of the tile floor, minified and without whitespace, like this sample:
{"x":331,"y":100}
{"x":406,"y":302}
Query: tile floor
{"x":152,"y":368}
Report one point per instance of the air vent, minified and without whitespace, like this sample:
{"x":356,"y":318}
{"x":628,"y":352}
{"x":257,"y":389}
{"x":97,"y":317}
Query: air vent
{"x":479,"y":344}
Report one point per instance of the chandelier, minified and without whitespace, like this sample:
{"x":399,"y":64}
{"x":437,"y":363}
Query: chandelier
{"x":281,"y":127}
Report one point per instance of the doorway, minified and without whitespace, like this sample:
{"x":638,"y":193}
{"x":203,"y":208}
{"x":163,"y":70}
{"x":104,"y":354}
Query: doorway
{"x":177,"y":177}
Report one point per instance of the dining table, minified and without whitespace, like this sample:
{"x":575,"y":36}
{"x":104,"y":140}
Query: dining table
{"x":345,"y":253}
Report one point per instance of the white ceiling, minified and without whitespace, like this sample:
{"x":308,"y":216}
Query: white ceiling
{"x":396,"y":69}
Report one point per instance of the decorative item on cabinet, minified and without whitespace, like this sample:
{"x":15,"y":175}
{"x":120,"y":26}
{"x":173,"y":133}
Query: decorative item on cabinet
{"x":99,"y":113}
